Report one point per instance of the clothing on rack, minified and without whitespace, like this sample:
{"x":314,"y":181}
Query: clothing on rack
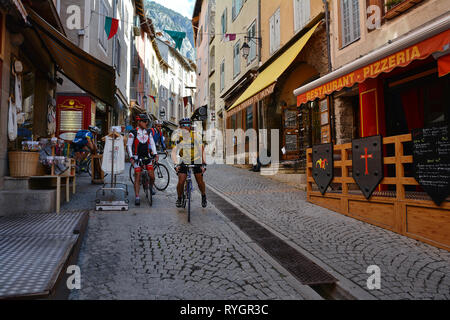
{"x":119,"y":154}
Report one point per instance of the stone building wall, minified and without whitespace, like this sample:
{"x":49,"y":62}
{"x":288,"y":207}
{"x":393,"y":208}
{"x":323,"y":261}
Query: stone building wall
{"x":344,"y":122}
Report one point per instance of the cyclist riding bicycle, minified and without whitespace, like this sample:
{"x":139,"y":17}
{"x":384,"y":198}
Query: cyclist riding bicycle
{"x":141,"y":148}
{"x":158,"y":135}
{"x":84,"y":142}
{"x":187,"y":140}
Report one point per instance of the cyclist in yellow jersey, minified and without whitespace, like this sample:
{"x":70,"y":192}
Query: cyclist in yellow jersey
{"x":189,"y":140}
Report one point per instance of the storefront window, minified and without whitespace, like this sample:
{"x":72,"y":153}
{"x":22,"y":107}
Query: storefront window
{"x":249,"y":118}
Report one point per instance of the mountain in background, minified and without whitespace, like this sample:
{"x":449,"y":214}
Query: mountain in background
{"x":167,"y":19}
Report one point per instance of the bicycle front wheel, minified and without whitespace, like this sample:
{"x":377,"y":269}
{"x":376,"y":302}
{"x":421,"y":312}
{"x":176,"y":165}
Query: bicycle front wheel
{"x":132,"y":174}
{"x":162,"y":177}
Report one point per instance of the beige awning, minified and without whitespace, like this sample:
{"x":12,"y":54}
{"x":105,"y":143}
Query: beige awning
{"x":87,"y":72}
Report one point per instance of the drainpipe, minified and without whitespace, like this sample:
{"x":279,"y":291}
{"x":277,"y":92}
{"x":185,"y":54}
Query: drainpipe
{"x":330,"y":69}
{"x":259,"y":31}
{"x":327,"y":22}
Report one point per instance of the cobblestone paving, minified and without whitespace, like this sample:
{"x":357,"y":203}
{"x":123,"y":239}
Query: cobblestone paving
{"x":409,"y":269}
{"x":152,"y":253}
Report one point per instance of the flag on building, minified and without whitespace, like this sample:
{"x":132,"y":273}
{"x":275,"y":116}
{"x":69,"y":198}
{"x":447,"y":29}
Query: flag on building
{"x":111,"y":27}
{"x":187,"y":101}
{"x":230,"y":37}
{"x":153,"y":98}
{"x":177,"y":36}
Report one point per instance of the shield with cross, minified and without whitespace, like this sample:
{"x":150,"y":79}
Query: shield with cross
{"x":368,"y":170}
{"x":322,"y":158}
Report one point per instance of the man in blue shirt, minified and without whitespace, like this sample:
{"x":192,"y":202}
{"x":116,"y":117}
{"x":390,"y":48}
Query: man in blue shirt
{"x":158,"y":135}
{"x":85,"y":142}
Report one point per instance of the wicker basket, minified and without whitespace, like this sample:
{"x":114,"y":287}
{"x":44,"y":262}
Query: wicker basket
{"x":23,"y":164}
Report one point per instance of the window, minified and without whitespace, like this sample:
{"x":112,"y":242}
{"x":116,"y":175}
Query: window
{"x":102,"y":37}
{"x":222,"y":75}
{"x":302,"y":13}
{"x":199,"y":66}
{"x":236,"y":59}
{"x":251,"y":32}
{"x":212,"y":58}
{"x":249,"y":118}
{"x":275,"y":31}
{"x":117,"y":56}
{"x":200,"y":36}
{"x":349,"y":21}
{"x":236,"y":9}
{"x":224,"y":21}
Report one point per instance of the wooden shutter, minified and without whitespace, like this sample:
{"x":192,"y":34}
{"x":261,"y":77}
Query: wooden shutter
{"x":277,"y":29}
{"x":272,"y":33}
{"x":356,"y":32}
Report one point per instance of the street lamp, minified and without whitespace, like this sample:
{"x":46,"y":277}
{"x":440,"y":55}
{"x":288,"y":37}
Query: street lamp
{"x":245,"y":50}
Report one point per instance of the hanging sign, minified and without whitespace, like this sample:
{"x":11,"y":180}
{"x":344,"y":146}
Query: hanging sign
{"x":368,"y":170}
{"x":323,"y":164}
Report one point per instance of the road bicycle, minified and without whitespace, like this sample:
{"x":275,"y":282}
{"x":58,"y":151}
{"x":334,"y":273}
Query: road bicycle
{"x":188,"y":188}
{"x":145,"y":181}
{"x":162,"y":176}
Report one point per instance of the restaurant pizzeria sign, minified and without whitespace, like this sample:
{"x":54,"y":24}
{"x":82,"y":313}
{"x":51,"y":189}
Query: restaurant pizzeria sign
{"x":402,"y":58}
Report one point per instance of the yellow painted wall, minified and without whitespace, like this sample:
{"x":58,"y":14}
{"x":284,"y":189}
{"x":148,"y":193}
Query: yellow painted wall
{"x":268,"y":9}
{"x":224,"y":50}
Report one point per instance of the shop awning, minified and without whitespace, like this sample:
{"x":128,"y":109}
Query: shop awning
{"x":418,"y":45}
{"x":264,"y":83}
{"x":87,"y":72}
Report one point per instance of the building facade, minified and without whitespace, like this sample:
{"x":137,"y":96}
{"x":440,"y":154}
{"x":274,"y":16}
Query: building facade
{"x":89,"y":34}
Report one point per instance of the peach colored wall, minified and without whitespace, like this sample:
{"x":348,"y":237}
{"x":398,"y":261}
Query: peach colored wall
{"x":268,"y":9}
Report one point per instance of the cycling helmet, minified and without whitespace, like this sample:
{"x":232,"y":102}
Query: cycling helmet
{"x":158,"y":123}
{"x":185,"y":121}
{"x":142,"y":117}
{"x":94,"y":129}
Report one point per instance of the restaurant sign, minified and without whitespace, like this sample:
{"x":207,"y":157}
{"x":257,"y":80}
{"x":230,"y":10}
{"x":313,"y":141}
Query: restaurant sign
{"x":402,"y":58}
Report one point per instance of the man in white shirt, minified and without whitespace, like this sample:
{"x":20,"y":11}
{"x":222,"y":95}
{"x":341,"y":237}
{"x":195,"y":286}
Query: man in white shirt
{"x":141,"y":148}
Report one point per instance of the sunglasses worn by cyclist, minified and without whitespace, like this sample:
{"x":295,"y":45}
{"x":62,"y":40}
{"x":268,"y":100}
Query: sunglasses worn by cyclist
{"x":185,"y":125}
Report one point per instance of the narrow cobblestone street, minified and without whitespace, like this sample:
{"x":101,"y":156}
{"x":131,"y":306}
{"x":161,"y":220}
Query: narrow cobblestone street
{"x":409,"y":269}
{"x":153,"y":253}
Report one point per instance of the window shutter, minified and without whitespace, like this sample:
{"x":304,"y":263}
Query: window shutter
{"x":277,"y":29}
{"x":355,"y":20}
{"x":306,"y":12}
{"x":296,"y":15}
{"x":272,"y":33}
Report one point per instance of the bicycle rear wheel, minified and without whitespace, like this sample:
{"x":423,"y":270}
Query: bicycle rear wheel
{"x":162,"y":177}
{"x":189,"y":188}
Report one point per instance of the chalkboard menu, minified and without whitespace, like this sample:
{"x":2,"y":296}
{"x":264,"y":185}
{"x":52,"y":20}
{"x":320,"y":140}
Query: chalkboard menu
{"x":431,"y":154}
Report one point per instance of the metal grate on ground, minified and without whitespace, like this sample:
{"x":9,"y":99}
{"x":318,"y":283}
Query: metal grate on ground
{"x":305,"y":270}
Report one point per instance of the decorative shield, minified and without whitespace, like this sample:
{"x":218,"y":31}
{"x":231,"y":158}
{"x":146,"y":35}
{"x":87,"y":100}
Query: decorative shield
{"x":367,"y":154}
{"x":323,"y":172}
{"x":431,"y":157}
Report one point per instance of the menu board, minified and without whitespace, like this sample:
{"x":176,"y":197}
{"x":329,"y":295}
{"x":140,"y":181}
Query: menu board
{"x":431,"y":155}
{"x":291,"y":143}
